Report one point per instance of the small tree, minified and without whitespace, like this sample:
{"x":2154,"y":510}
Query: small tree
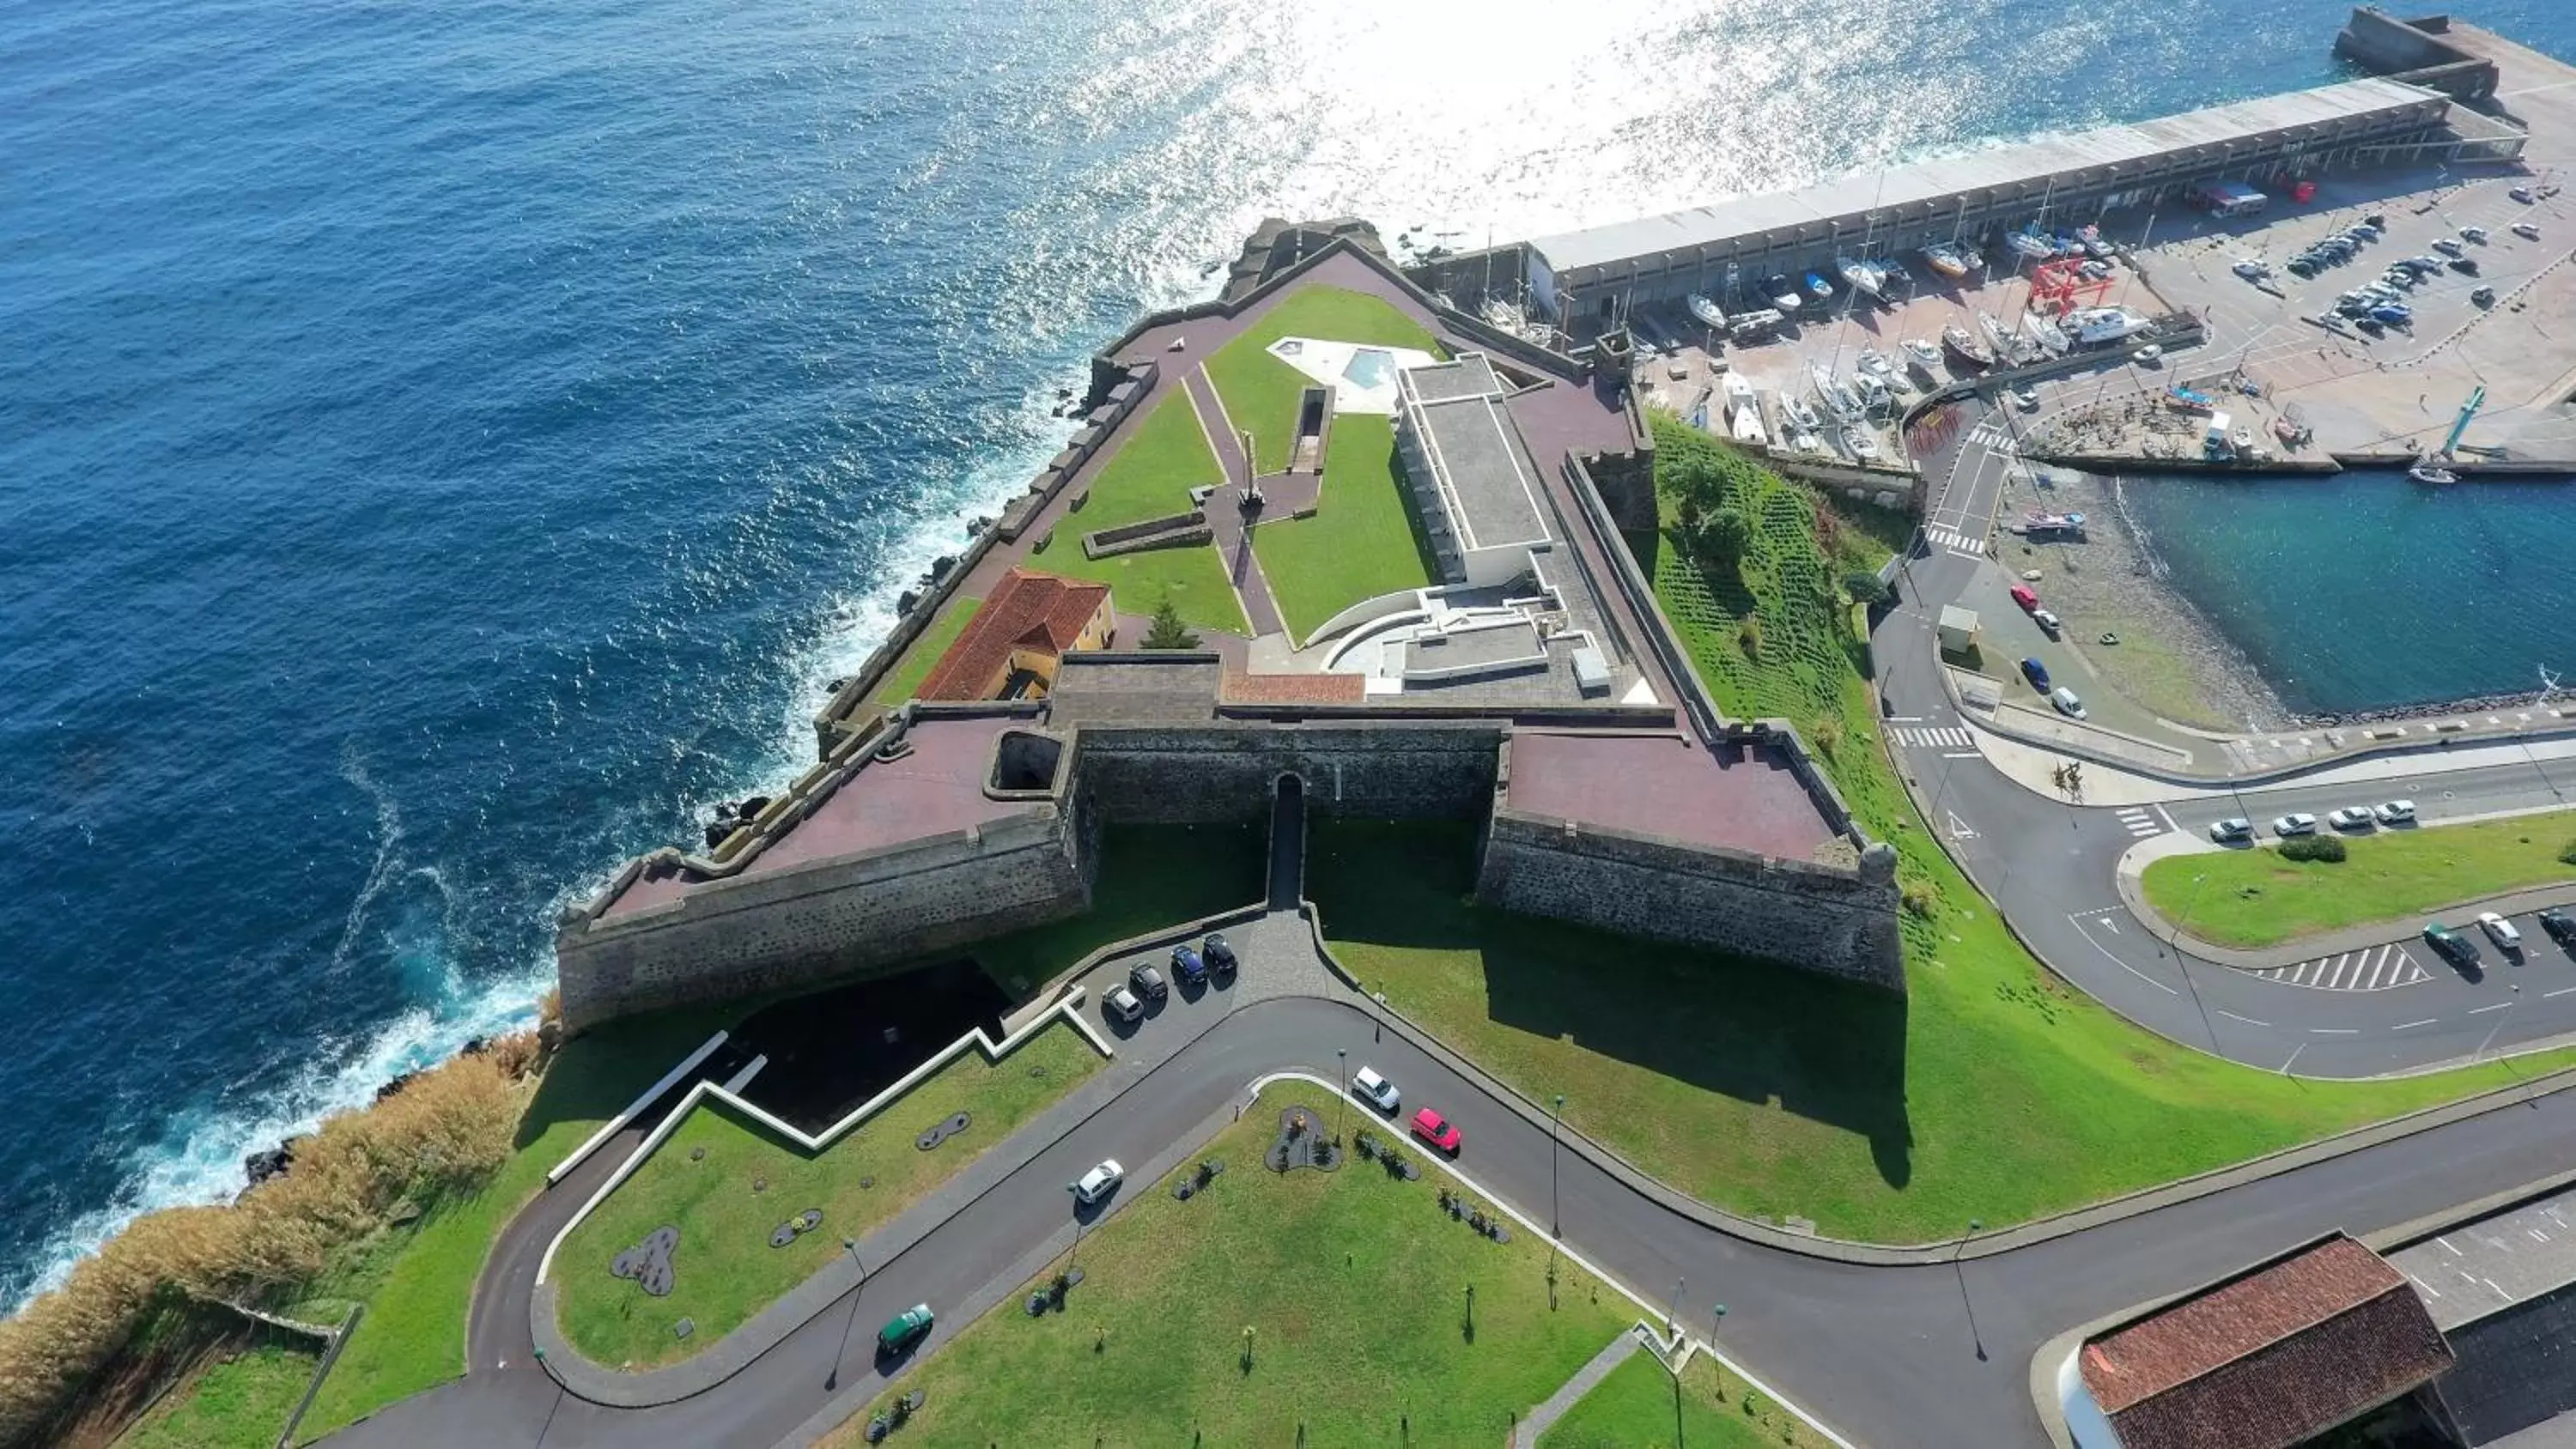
{"x":1729,"y":534}
{"x":1167,"y":630}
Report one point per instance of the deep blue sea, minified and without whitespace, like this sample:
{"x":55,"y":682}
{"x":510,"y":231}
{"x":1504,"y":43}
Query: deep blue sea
{"x":443,"y":448}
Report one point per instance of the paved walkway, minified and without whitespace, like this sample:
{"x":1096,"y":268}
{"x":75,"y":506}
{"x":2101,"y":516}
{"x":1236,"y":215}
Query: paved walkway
{"x":1225,"y":518}
{"x":1586,"y":1378}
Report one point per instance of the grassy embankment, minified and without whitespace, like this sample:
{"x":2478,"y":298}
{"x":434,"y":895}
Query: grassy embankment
{"x":1635,"y":1408}
{"x":1260,"y":392}
{"x":907,"y":676}
{"x":1989,"y":1091}
{"x":701,"y":1181}
{"x":1162,"y":456}
{"x":1364,"y":540}
{"x":1150,"y":1347}
{"x":2257,"y":898}
{"x":240,"y":1403}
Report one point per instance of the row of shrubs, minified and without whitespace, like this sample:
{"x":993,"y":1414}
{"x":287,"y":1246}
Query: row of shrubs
{"x":2313,"y":847}
{"x":447,"y":1130}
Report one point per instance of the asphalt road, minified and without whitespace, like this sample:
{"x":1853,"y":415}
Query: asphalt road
{"x":2051,"y":866}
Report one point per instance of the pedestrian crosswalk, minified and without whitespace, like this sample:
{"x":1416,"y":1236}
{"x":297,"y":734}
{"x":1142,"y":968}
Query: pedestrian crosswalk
{"x":2140,"y":823}
{"x":2375,"y":968}
{"x":1955,"y":542}
{"x":1991,"y":435}
{"x":1935,"y":737}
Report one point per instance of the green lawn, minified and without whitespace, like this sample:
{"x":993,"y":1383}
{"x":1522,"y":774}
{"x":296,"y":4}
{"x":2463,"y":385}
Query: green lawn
{"x":1151,"y":876}
{"x":1990,"y":1091}
{"x":1160,"y":458}
{"x":1260,"y":392}
{"x":1149,"y":1347}
{"x":413,"y":1336}
{"x":2256,"y":898}
{"x":925,"y":651}
{"x":1363,"y":541}
{"x":1633,"y":1408}
{"x":725,"y":1270}
{"x":241,"y":1403}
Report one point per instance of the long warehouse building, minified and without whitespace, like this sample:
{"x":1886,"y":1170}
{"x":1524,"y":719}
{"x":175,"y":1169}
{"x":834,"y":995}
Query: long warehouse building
{"x":1725,"y":249}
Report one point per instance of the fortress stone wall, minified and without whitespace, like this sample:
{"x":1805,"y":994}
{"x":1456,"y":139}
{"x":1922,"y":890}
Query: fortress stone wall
{"x":829,"y":919}
{"x":1822,"y":918}
{"x":1225,"y":771}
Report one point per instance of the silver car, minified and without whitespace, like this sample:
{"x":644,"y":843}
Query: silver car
{"x":2289,"y":825}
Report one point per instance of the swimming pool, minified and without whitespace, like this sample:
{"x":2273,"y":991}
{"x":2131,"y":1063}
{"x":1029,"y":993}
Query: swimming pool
{"x":1371,"y":367}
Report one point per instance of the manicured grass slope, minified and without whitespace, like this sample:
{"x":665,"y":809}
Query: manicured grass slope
{"x":1363,"y":541}
{"x":1151,"y":876}
{"x":413,"y":1336}
{"x":1162,"y":457}
{"x":1633,"y":1408}
{"x":1353,"y":1283}
{"x":925,"y":651}
{"x":725,"y":1270}
{"x":2256,"y":898}
{"x":1990,"y":1091}
{"x":241,"y":1403}
{"x":1260,"y":392}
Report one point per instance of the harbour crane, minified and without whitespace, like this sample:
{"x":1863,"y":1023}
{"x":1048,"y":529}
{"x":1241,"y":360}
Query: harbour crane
{"x":2468,"y":410}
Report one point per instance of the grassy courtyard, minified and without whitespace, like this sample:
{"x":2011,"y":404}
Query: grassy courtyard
{"x":1363,"y":541}
{"x":1149,"y":1349}
{"x":706,"y":1180}
{"x":1151,"y":876}
{"x":1634,"y":1408}
{"x":1260,"y":392}
{"x":2257,"y":898}
{"x":240,"y":1403}
{"x":1991,"y":1090}
{"x":1162,"y":456}
{"x":917,"y":661}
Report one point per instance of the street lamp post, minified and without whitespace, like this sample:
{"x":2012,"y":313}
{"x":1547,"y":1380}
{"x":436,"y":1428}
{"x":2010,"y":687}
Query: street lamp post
{"x":1975,"y":1226}
{"x":2182,"y":963}
{"x":1555,"y":1214}
{"x":832,"y":1380}
{"x":1341,"y":1055}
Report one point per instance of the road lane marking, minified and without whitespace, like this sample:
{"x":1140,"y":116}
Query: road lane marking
{"x":2334,"y":1031}
{"x":2123,"y":965}
{"x":2561,"y":991}
{"x":2410,"y":1026}
{"x":2249,"y":1021}
{"x":2499,"y":1006}
{"x":1962,"y":755}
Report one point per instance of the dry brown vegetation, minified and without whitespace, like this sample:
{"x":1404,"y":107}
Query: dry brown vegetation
{"x":447,"y":1130}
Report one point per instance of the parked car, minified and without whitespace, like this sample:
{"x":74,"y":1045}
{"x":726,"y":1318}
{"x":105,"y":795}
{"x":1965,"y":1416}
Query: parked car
{"x":2483,"y":296}
{"x":1099,"y":1182}
{"x":2036,"y":673}
{"x":2227,"y":831}
{"x":2295,"y":824}
{"x":2500,"y":931}
{"x":2560,"y":926}
{"x":1437,"y":1130}
{"x":2027,"y":396}
{"x":2465,"y":266}
{"x":904,"y":1330}
{"x":2249,"y":269}
{"x":1148,"y":982}
{"x":2395,"y":812}
{"x":2067,"y":702}
{"x":2047,"y":621}
{"x":2350,"y":817}
{"x":1380,"y":1092}
{"x":2476,"y":234}
{"x":1122,"y":1004}
{"x":1188,"y":967}
{"x":2302,"y":268}
{"x":1218,"y":953}
{"x":2526,"y":231}
{"x":2147,"y":355}
{"x":2450,"y":944}
{"x":2521,"y":194}
{"x":2026,"y":596}
{"x":2447,"y":246}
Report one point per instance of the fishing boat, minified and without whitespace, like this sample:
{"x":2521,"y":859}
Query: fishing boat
{"x":1962,"y":346}
{"x":1780,"y":294}
{"x":2183,"y":400}
{"x":1875,"y":395}
{"x":2031,"y":242}
{"x":2100,"y":326}
{"x":1923,"y":354}
{"x":1744,"y":415}
{"x":1817,"y":284}
{"x":1708,"y":312}
{"x":1860,"y":276}
{"x":2431,"y":473}
{"x":1858,"y":442}
{"x":1942,"y":259}
{"x":2036,"y":524}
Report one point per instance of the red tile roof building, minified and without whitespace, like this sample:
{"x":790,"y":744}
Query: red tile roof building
{"x":2273,"y":1356}
{"x":1028,"y":624}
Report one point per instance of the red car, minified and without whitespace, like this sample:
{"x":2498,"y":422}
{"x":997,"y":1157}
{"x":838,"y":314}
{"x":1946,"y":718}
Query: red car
{"x":2026,"y":596}
{"x":1437,"y":1130}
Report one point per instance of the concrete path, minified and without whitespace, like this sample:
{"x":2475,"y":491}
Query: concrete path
{"x":1225,"y":518}
{"x":1585,"y":1379}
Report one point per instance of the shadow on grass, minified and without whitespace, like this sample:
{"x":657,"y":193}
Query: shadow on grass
{"x":1827,"y":1050}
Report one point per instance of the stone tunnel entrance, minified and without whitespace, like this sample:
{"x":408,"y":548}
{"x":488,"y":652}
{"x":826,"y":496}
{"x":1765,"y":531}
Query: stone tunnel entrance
{"x":1287,"y":843}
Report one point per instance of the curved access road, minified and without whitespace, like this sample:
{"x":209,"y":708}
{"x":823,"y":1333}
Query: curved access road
{"x":2052,"y":866}
{"x":1887,"y":1355}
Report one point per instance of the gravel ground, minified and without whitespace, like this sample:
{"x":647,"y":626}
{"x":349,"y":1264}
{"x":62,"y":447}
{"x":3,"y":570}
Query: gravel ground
{"x":2170,"y":659}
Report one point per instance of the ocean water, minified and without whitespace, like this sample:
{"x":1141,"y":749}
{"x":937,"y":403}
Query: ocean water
{"x":443,"y":449}
{"x":2367,"y":592}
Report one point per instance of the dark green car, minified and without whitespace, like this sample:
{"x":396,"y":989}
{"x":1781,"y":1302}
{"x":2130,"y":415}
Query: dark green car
{"x":904,"y":1330}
